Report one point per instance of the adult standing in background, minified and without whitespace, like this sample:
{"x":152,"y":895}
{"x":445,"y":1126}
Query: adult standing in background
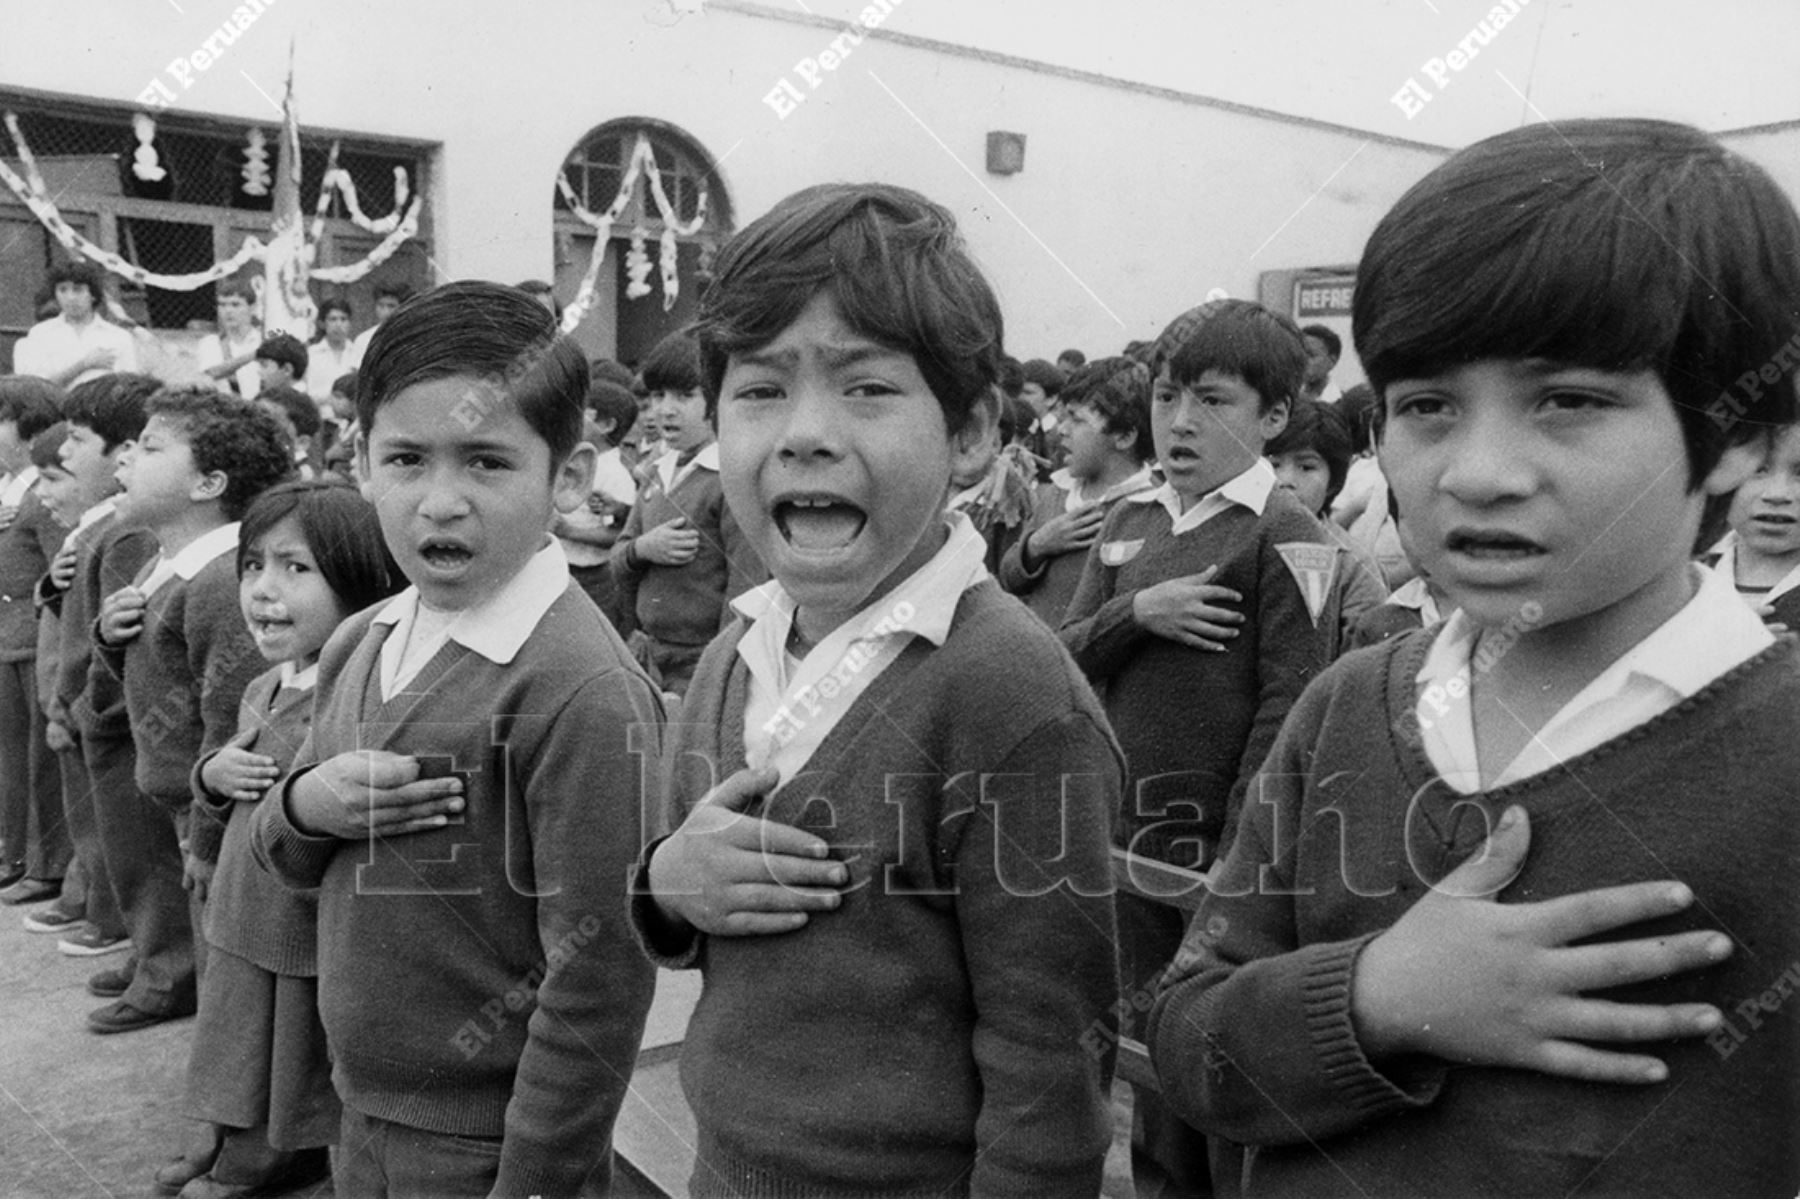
{"x":77,"y":344}
{"x":229,"y":356}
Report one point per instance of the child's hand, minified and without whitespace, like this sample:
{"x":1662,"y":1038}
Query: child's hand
{"x":62,"y":568}
{"x":58,"y":737}
{"x":1186,"y":610}
{"x":8,"y":514}
{"x":1767,"y":612}
{"x":670,"y":544}
{"x":1469,"y":980}
{"x":729,"y":874}
{"x":1067,"y":532}
{"x":197,"y":876}
{"x":122,"y":616}
{"x":370,"y":792}
{"x":236,"y":773}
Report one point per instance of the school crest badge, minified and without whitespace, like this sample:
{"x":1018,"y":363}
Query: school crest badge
{"x":1314,"y":568}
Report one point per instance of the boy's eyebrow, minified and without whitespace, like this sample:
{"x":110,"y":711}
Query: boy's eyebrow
{"x":398,"y":441}
{"x":836,"y":357}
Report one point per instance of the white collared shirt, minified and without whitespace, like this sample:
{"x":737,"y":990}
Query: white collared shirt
{"x":16,"y":487}
{"x":192,"y":557}
{"x":1075,"y":499}
{"x":293,"y":679}
{"x":671,"y":473}
{"x":1713,"y":633}
{"x":216,"y":349}
{"x":325,"y":366}
{"x":1249,"y":489}
{"x":55,"y":345}
{"x":495,"y":629}
{"x":90,"y":518}
{"x":792,"y":707}
{"x":1727,"y":566}
{"x":1415,"y":595}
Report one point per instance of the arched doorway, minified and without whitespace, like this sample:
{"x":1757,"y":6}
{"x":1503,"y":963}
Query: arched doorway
{"x":612,"y":173}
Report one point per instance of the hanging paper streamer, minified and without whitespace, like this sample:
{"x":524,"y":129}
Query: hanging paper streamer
{"x":296,"y":267}
{"x":144,"y":163}
{"x":256,"y":164}
{"x":643,"y":164}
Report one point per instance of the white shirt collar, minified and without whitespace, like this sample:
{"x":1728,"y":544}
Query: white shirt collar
{"x":17,"y":485}
{"x":1138,"y":482}
{"x":1712,"y":634}
{"x":194,"y":556}
{"x":299,"y":680}
{"x":1727,"y":566}
{"x":1250,"y":489}
{"x":1415,"y":595}
{"x":671,"y":473}
{"x":498,"y":628}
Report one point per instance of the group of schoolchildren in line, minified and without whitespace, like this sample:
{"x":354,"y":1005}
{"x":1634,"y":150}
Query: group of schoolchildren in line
{"x":842,"y":662}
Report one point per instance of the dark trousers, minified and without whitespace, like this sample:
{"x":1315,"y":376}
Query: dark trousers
{"x":31,"y":808}
{"x":1168,"y":1157}
{"x":99,"y":902}
{"x":142,"y":846}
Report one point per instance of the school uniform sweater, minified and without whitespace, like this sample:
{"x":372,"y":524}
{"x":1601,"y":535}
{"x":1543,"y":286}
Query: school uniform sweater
{"x":479,"y":979}
{"x":1253,"y":1037}
{"x":25,"y":552}
{"x":684,"y":605}
{"x":249,"y":912}
{"x":184,"y":676}
{"x":88,"y":695}
{"x":1045,"y":584}
{"x":941,"y":1031}
{"x":1195,"y":724}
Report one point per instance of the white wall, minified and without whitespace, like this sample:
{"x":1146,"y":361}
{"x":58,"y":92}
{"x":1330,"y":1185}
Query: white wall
{"x":1130,"y":208}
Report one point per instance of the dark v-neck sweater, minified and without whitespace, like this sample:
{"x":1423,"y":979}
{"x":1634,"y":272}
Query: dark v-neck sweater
{"x":249,"y":912}
{"x":1253,"y":1039}
{"x":480,"y":979}
{"x":943,"y":1031}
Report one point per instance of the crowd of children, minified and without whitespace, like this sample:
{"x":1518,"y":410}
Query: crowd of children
{"x":344,"y":718}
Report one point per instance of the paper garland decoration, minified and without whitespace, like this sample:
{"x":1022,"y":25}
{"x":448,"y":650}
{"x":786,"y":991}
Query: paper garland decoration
{"x":32,"y":193}
{"x":256,"y":164}
{"x":637,"y":263}
{"x":144,"y":163}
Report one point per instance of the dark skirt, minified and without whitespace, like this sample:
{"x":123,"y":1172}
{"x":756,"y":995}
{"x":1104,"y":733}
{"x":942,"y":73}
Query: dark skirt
{"x":259,"y":1055}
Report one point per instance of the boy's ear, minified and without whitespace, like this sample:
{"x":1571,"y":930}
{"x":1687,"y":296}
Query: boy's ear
{"x":1275,"y":419}
{"x":574,"y":479}
{"x":210,"y":487}
{"x":969,"y":445}
{"x":1735,"y":467}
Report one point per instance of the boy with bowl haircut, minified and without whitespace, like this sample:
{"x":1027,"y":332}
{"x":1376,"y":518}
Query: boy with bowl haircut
{"x":88,"y":724}
{"x":1196,"y":711}
{"x":176,"y":640}
{"x":908,"y":947}
{"x":468,"y":804}
{"x":1504,"y":875}
{"x":1761,"y":554}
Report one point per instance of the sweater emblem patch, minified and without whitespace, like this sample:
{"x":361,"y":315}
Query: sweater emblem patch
{"x":1314,"y":568}
{"x":1118,"y":553}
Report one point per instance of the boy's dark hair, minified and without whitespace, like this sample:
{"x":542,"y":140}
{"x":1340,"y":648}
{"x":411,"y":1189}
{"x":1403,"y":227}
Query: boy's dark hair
{"x":1321,"y":429}
{"x":896,"y":268}
{"x":611,"y":370}
{"x":1234,"y":337}
{"x":234,"y":287}
{"x":231,"y":436}
{"x":1619,"y":245}
{"x":76,"y":270}
{"x":491,"y":332}
{"x":1075,"y":358}
{"x":1118,"y":389}
{"x":609,"y":401}
{"x":1012,"y":377}
{"x":1046,"y":375}
{"x":300,"y":408}
{"x":327,"y":307}
{"x":345,"y":385}
{"x":32,"y":403}
{"x":341,"y":529}
{"x":46,"y":446}
{"x":113,"y":406}
{"x":286,"y":349}
{"x":394,"y":291}
{"x":674,"y":365}
{"x":1334,"y":345}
